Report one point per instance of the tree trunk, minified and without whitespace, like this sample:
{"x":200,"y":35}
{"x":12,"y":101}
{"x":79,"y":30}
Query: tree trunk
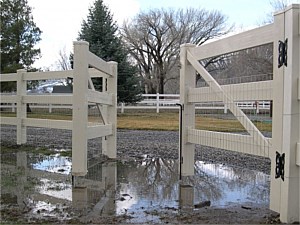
{"x":161,"y":84}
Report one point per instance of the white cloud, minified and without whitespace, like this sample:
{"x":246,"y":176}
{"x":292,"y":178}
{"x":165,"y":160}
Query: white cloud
{"x":60,"y":22}
{"x":124,"y":9}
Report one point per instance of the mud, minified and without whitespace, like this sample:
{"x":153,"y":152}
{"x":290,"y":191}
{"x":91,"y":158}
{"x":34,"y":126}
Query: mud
{"x":141,"y":186}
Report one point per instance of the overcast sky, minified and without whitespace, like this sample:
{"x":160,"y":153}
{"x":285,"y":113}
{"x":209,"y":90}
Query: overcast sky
{"x":60,"y":20}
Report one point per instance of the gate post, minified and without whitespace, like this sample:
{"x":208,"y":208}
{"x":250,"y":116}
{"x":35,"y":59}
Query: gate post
{"x":187,"y":80}
{"x":284,"y":194}
{"x":80,"y":109}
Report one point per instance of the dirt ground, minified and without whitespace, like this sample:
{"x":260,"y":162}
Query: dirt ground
{"x":142,"y":144}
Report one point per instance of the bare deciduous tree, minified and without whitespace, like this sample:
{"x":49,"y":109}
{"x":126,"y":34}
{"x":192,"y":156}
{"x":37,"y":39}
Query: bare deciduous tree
{"x":63,"y":60}
{"x":154,"y":38}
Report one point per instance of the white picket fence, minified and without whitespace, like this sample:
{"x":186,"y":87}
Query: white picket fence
{"x":83,"y":94}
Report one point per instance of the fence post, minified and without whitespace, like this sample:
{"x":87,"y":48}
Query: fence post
{"x":80,"y":109}
{"x":187,"y":80}
{"x":225,"y":108}
{"x":21,"y":107}
{"x":122,"y":107}
{"x":157,"y":102}
{"x":109,"y":143}
{"x":50,"y":108}
{"x":13,"y":108}
{"x":284,"y":196}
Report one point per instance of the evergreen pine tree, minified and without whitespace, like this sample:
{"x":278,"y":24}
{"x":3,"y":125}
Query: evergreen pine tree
{"x":101,"y":32}
{"x":19,"y":35}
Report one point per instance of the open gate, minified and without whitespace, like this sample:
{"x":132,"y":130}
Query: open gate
{"x":283,"y":90}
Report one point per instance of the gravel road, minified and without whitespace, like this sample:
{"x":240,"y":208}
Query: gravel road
{"x":137,"y":144}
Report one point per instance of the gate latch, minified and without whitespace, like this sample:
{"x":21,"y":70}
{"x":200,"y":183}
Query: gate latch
{"x":279,"y":170}
{"x":282,"y":53}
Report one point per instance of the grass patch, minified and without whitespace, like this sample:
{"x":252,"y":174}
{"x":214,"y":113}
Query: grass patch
{"x":148,"y":121}
{"x":160,"y":121}
{"x":170,"y":122}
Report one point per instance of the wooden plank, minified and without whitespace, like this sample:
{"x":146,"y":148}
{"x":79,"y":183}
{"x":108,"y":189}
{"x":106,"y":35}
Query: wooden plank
{"x":99,"y":97}
{"x":49,"y":99}
{"x":228,"y":141}
{"x":98,"y":63}
{"x":99,"y":131}
{"x":55,"y":124}
{"x":252,"y":38}
{"x":48,"y":75}
{"x":8,"y":77}
{"x":255,"y":91}
{"x":8,"y":120}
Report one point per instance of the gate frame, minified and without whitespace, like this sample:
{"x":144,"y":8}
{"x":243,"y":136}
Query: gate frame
{"x":284,"y":194}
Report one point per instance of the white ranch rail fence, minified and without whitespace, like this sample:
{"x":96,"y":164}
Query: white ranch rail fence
{"x":284,"y":147}
{"x":169,"y":101}
{"x":83,"y":94}
{"x":150,"y":101}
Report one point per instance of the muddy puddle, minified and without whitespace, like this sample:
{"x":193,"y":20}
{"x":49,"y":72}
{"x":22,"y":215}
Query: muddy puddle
{"x":148,"y":190}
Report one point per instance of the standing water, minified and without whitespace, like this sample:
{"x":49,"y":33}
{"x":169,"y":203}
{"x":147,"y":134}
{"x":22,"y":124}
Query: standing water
{"x":139,"y":191}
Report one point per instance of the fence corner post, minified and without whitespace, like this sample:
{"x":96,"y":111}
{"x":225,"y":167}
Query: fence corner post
{"x":80,"y":109}
{"x":284,"y":191}
{"x":21,"y":107}
{"x":187,"y":81}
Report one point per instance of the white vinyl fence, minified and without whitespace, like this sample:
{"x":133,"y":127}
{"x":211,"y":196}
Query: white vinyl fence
{"x":168,"y":101}
{"x":84,"y":94}
{"x":284,"y":147}
{"x":155,"y":102}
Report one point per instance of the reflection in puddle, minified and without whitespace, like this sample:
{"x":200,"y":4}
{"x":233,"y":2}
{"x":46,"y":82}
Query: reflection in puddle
{"x":54,"y":163}
{"x":136,"y":188}
{"x":55,"y":189}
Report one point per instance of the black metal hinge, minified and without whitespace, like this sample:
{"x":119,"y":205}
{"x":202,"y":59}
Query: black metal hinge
{"x":279,"y":170}
{"x":282,"y":53}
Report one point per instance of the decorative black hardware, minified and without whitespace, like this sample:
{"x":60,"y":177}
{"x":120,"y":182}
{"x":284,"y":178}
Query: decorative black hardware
{"x":279,"y":170}
{"x":282,"y":53}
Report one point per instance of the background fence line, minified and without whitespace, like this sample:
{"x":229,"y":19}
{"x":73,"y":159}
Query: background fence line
{"x":150,"y":101}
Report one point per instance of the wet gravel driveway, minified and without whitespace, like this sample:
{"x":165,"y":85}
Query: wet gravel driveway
{"x":138,"y":144}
